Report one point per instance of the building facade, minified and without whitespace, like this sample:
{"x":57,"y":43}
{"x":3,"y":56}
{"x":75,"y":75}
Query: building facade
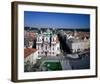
{"x":78,"y":45}
{"x":48,"y":44}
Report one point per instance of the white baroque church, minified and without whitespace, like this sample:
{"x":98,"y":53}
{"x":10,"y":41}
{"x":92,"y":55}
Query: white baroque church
{"x":47,"y":44}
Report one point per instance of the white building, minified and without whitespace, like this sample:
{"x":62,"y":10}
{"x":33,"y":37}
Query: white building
{"x":79,"y":45}
{"x":48,"y":44}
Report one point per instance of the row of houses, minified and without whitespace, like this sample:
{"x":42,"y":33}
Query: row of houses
{"x":79,"y":45}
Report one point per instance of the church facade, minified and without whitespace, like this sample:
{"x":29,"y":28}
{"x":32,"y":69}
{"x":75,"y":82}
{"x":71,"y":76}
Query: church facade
{"x":47,"y":44}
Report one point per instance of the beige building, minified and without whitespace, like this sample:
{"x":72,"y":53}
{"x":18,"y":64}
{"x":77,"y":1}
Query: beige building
{"x":80,"y":45}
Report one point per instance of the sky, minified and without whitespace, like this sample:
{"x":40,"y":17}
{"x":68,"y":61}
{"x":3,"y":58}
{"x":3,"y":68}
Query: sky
{"x":56,"y":20}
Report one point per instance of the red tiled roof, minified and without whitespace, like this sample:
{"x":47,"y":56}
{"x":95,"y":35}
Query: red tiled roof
{"x":29,"y":51}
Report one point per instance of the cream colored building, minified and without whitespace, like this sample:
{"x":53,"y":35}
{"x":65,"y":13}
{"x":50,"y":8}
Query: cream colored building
{"x":80,"y":45}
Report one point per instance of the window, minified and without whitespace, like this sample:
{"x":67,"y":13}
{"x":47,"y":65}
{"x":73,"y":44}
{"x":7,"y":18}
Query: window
{"x":50,"y":52}
{"x":53,"y":48}
{"x":46,"y":47}
{"x":46,"y":39}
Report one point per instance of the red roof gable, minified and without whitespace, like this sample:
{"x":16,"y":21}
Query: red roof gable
{"x":29,"y":51}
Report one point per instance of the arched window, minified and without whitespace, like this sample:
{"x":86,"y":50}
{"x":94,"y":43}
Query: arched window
{"x":38,"y":52}
{"x":46,"y":39}
{"x":46,"y":47}
{"x":53,"y":48}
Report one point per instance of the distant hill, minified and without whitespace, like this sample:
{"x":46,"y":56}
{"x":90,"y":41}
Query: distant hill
{"x":65,"y":29}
